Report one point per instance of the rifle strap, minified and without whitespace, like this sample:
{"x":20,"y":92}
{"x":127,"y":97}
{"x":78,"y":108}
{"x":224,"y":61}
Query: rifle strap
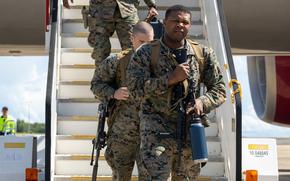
{"x":155,"y":51}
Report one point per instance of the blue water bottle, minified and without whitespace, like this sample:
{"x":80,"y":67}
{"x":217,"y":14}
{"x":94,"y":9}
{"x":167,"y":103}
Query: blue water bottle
{"x":198,"y":141}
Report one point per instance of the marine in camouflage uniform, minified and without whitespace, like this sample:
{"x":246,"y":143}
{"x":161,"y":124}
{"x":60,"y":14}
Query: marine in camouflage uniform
{"x":153,"y":84}
{"x":108,"y":16}
{"x":123,"y":125}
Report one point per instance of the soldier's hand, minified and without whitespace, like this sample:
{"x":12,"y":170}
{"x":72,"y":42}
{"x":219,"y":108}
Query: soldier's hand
{"x":153,"y":12}
{"x":179,"y":74}
{"x":121,"y":94}
{"x":66,"y":4}
{"x":196,"y":108}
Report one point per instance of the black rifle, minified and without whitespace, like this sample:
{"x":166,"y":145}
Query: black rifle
{"x":181,"y":57}
{"x":197,"y":137}
{"x":181,"y":107}
{"x":100,"y":141}
{"x":181,"y":124}
{"x":178,"y":94}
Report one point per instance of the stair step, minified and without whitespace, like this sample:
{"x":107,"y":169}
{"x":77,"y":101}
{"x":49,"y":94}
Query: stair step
{"x":79,"y":100}
{"x":75,"y":12}
{"x":195,"y":22}
{"x":198,"y":36}
{"x":71,"y":126}
{"x":82,"y":144}
{"x":86,"y":178}
{"x":109,"y":178}
{"x":79,"y":40}
{"x":145,"y":8}
{"x":77,"y":26}
{"x":65,"y":106}
{"x":78,"y":66}
{"x":84,"y":157}
{"x":76,"y":127}
{"x":76,"y":77}
{"x":74,"y":145}
{"x":80,"y":164}
{"x":81,"y":89}
{"x":70,"y":56}
{"x":77,"y":118}
{"x":77,"y":107}
{"x":90,"y":137}
{"x":193,"y":3}
{"x":84,"y":73}
{"x":75,"y":82}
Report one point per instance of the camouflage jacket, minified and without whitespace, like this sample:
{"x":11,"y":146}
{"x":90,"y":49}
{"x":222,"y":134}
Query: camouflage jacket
{"x":108,"y":76}
{"x":153,"y":90}
{"x":106,"y":8}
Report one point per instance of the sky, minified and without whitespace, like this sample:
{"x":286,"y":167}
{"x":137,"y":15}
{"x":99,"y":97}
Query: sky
{"x":23,"y":89}
{"x":23,"y":86}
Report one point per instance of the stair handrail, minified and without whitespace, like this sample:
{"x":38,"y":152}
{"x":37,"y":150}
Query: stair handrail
{"x":216,"y":10}
{"x":50,"y":89}
{"x":236,"y":87}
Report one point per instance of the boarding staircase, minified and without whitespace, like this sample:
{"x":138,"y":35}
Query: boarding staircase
{"x":76,"y":110}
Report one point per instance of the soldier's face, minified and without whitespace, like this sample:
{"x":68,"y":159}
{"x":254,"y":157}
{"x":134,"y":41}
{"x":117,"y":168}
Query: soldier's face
{"x":4,"y":112}
{"x":140,"y":38}
{"x":177,"y":25}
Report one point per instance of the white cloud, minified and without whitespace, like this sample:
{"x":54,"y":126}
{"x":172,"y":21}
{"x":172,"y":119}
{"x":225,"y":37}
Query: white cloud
{"x":24,"y":91}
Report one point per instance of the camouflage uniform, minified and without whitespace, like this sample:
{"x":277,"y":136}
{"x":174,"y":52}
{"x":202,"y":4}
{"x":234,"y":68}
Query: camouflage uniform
{"x":108,"y":16}
{"x":159,"y":155}
{"x":123,"y":125}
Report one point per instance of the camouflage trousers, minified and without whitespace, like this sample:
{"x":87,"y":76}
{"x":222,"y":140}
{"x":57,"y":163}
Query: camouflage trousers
{"x":159,"y":156}
{"x":123,"y":143}
{"x":99,"y":37}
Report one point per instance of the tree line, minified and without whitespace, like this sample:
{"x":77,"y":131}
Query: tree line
{"x":25,"y":127}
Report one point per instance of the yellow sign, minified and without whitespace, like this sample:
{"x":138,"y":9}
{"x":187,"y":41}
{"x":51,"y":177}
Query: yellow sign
{"x":14,"y":145}
{"x":258,"y":147}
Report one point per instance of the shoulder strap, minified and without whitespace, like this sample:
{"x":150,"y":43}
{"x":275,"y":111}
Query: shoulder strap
{"x":155,"y":50}
{"x":123,"y":63}
{"x":198,"y":55}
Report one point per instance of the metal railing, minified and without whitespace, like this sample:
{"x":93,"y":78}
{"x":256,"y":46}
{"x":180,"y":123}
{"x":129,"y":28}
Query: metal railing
{"x":238,"y":103}
{"x":50,"y":87}
{"x":218,"y":38}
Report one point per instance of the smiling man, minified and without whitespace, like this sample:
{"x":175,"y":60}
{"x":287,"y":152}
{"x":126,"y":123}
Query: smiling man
{"x":152,"y":75}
